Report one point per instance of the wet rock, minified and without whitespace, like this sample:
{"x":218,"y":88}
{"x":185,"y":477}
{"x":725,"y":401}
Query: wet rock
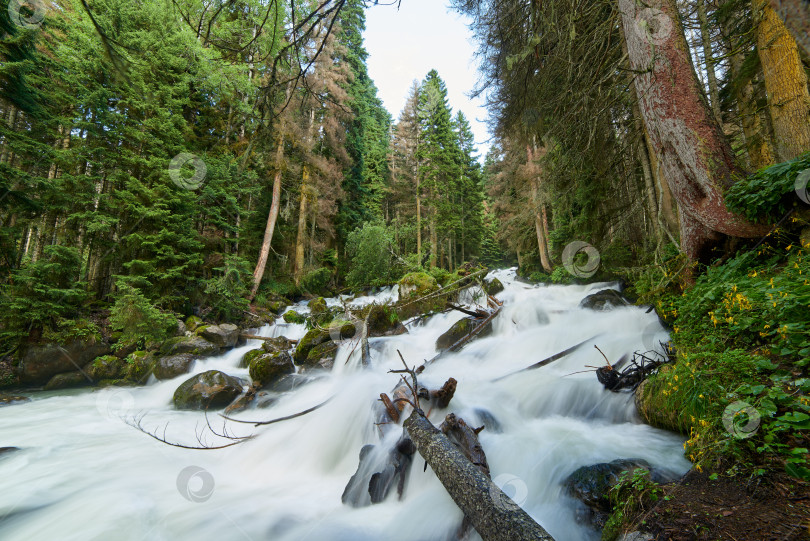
{"x":106,"y":367}
{"x":209,"y":390}
{"x":224,"y":336}
{"x":314,"y":337}
{"x":265,"y":399}
{"x":68,"y":380}
{"x":493,"y":286}
{"x":7,"y":450}
{"x":459,"y":330}
{"x":10,"y":399}
{"x":172,"y":366}
{"x":291,"y":316}
{"x":195,"y":345}
{"x":604,"y":300}
{"x":322,"y":356}
{"x":249,"y":356}
{"x":591,"y":485}
{"x":268,"y":368}
{"x":274,"y":345}
{"x":291,"y":382}
{"x":383,"y":321}
{"x":318,"y":306}
{"x":39,"y":364}
{"x":139,"y":366}
{"x":355,"y":493}
{"x":181,"y":328}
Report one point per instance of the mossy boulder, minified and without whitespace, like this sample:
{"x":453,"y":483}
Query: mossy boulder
{"x":459,"y":330}
{"x":172,"y":366}
{"x":291,"y":316}
{"x":318,"y":306}
{"x":322,"y":356}
{"x":210,"y":390}
{"x":604,"y":300}
{"x":274,"y":345}
{"x":417,"y":284}
{"x":275,"y":306}
{"x":268,"y":368}
{"x":249,"y":356}
{"x":68,"y":380}
{"x":38,"y":364}
{"x":224,"y":336}
{"x":314,"y":337}
{"x":106,"y":367}
{"x":192,"y":322}
{"x":654,"y":407}
{"x":383,"y":320}
{"x":196,"y":345}
{"x":492,"y":286}
{"x":139,"y":366}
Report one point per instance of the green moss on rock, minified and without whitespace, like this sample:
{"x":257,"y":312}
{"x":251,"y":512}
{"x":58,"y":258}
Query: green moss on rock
{"x":193,"y":322}
{"x":210,"y":390}
{"x":249,"y":356}
{"x":318,"y":306}
{"x":417,"y":284}
{"x":268,"y":368}
{"x":291,"y":316}
{"x":106,"y":367}
{"x":138,"y":366}
{"x":314,"y":337}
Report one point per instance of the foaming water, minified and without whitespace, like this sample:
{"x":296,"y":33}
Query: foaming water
{"x":84,"y":474}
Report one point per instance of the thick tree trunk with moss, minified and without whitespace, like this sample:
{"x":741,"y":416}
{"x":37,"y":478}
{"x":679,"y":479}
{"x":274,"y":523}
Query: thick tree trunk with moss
{"x":302,"y":226}
{"x":537,"y":210}
{"x":785,"y":83}
{"x":693,"y":153}
{"x":796,"y":14}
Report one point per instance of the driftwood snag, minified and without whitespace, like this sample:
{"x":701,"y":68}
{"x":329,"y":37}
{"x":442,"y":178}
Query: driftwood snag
{"x":492,"y":513}
{"x":444,"y":395}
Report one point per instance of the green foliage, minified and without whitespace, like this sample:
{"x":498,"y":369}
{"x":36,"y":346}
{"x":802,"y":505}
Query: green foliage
{"x":67,"y":330}
{"x":561,"y":276}
{"x":316,"y":282}
{"x":742,"y":334}
{"x":226,"y":293}
{"x":538,"y":276}
{"x":369,"y":250}
{"x":42,"y":293}
{"x":630,"y":497}
{"x":139,"y":321}
{"x":770,"y":192}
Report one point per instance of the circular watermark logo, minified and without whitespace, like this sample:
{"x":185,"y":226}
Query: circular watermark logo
{"x":653,"y":25}
{"x":187,"y":182}
{"x":508,"y":491}
{"x":802,"y":179}
{"x":195,"y":484}
{"x":116,"y":404}
{"x":741,"y":419}
{"x":26,"y":13}
{"x":572,"y":258}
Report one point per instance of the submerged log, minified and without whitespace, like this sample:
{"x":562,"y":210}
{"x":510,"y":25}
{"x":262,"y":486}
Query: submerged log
{"x":492,"y":513}
{"x":444,"y":395}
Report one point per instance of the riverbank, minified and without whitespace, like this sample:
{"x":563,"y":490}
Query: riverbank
{"x":739,"y":391}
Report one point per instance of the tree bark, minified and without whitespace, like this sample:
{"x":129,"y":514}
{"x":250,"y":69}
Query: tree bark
{"x":298,"y":269}
{"x":708,"y":56}
{"x":542,"y":247}
{"x":264,"y":252}
{"x":796,"y":14}
{"x":491,"y":512}
{"x":694,"y":155}
{"x":785,"y":83}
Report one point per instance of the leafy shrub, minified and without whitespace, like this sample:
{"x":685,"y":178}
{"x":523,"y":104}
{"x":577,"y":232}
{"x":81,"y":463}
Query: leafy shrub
{"x":138,"y":320}
{"x":315,"y":282}
{"x":538,"y":276}
{"x":369,"y":249}
{"x":631,"y":496}
{"x":769,"y":193}
{"x":561,"y":276}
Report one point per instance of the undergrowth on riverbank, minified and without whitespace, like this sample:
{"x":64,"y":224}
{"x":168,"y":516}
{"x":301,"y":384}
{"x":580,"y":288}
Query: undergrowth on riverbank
{"x":739,"y":388}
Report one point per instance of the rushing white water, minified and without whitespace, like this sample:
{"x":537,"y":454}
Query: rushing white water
{"x":84,"y":474}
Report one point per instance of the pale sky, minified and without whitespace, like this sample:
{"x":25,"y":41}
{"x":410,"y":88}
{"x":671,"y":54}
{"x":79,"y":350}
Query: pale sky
{"x":406,"y":44}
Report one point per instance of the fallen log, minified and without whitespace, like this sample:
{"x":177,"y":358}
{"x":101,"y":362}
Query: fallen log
{"x":492,"y":513}
{"x":257,"y":337}
{"x":444,"y":395}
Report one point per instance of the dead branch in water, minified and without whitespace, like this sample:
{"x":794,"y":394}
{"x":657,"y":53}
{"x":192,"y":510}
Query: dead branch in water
{"x":137,"y":423}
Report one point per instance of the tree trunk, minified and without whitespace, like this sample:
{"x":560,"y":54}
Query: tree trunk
{"x":491,"y":512}
{"x":298,"y":269}
{"x":796,"y":14}
{"x":786,"y":85}
{"x":538,"y":217}
{"x":434,"y":238}
{"x":694,"y":155}
{"x":708,"y":55}
{"x":264,"y":252}
{"x":418,"y":222}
